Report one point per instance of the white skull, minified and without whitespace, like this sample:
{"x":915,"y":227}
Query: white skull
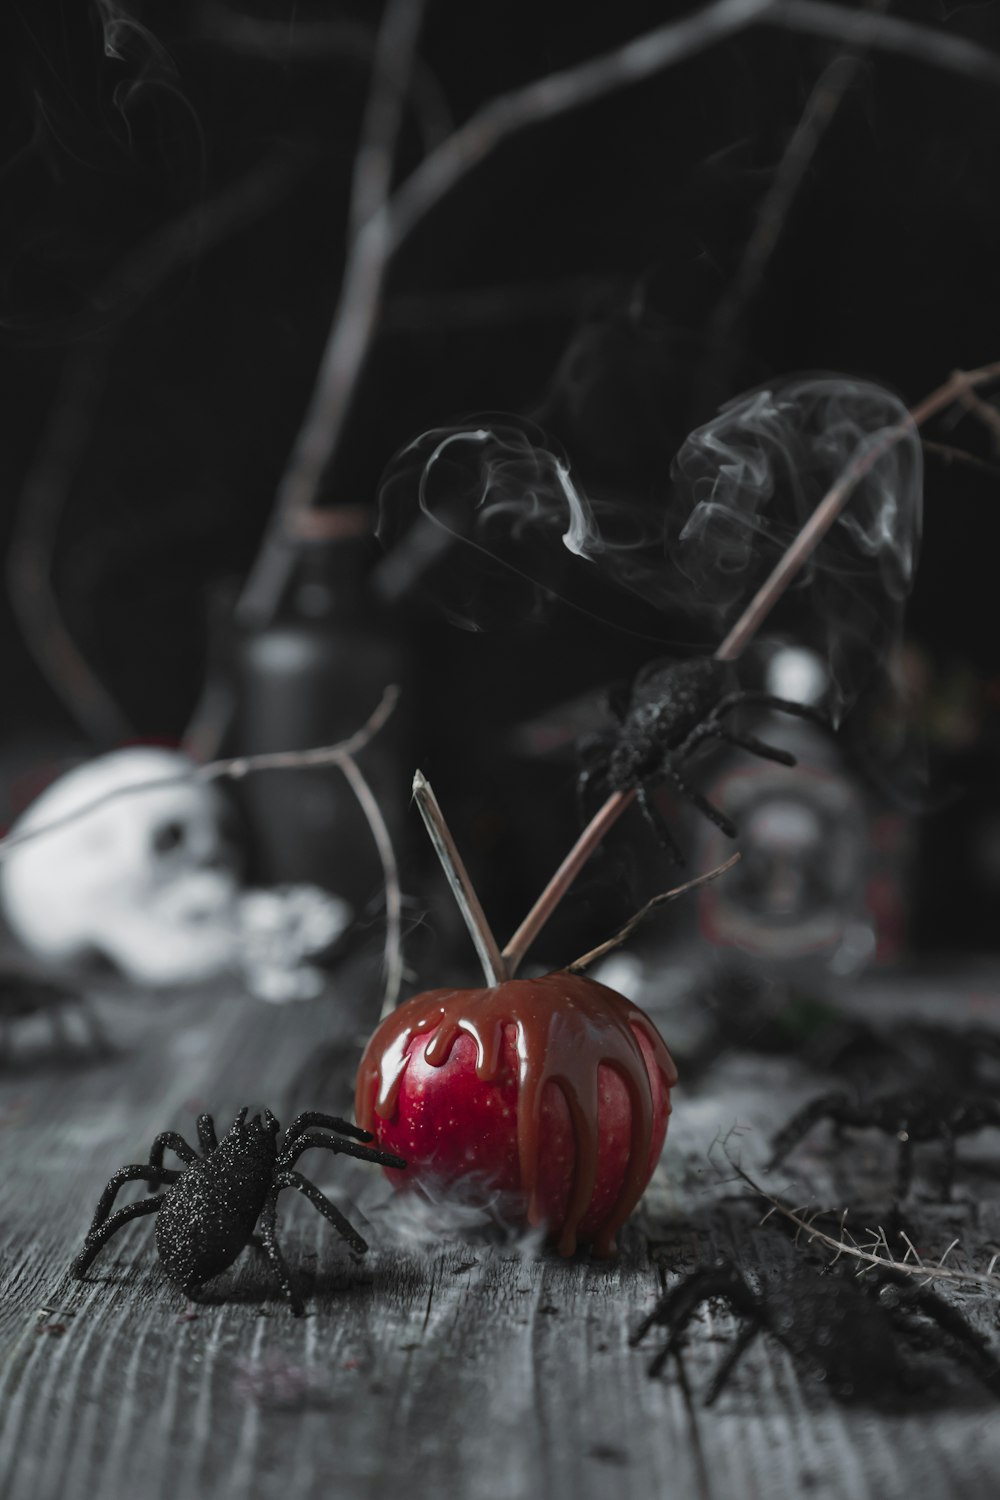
{"x":145,"y":879}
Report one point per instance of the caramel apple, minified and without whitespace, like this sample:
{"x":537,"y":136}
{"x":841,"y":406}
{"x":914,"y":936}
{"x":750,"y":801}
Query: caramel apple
{"x":554,"y":1090}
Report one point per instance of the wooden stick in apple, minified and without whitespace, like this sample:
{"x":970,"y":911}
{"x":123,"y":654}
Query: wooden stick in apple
{"x":552,"y":1092}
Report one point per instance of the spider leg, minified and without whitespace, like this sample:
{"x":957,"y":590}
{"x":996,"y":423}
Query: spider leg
{"x":273,"y":1251}
{"x":312,"y":1117}
{"x":95,"y":1031}
{"x":659,"y":824}
{"x":154,"y":1176}
{"x":329,"y":1210}
{"x":169,"y":1140}
{"x":706,"y":730}
{"x":61,"y":1034}
{"x":948,"y":1164}
{"x":768,"y":700}
{"x":737,"y":1349}
{"x":706,"y":808}
{"x":288,"y":1158}
{"x":593,"y":753}
{"x":963,"y":1341}
{"x":207,"y":1138}
{"x":678,"y":1307}
{"x":755,"y":746}
{"x":102,"y":1233}
{"x":618,"y":699}
{"x":904,"y":1169}
{"x":835,"y":1107}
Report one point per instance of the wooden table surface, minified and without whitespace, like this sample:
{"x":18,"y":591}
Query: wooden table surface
{"x":445,"y":1363}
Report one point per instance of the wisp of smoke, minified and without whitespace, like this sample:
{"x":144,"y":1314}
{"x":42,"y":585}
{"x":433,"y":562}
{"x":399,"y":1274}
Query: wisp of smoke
{"x":746,"y":482}
{"x":489,"y":523}
{"x":428,"y":1216}
{"x":143,"y":59}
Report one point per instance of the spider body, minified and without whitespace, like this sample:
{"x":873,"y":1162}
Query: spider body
{"x":671,"y":709}
{"x":208,"y":1212}
{"x":855,"y":1336}
{"x":913,"y":1116}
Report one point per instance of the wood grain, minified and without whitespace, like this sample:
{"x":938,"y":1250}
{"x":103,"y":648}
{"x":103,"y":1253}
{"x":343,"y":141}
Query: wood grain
{"x":443,"y":1367}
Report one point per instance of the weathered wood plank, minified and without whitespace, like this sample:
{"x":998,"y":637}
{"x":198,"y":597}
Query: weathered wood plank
{"x":462,"y":1368}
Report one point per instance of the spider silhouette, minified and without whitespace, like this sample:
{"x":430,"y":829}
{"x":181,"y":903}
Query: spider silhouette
{"x":855,"y":1335}
{"x":209,"y":1211}
{"x":670,"y":709}
{"x":24,"y":995}
{"x":913,"y":1116}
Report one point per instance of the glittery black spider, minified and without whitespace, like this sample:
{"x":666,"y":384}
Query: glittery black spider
{"x":209,"y":1211}
{"x":671,"y":709}
{"x":913,"y":1116}
{"x":24,"y":995}
{"x":853,"y":1334}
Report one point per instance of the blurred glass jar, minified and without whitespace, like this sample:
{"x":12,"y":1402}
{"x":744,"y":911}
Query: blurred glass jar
{"x":313,"y":677}
{"x":818,"y":892}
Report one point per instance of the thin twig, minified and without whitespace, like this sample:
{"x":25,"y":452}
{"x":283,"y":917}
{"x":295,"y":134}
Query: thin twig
{"x":457,"y":875}
{"x":218,"y":770}
{"x":875,"y":1253}
{"x":368,"y":802}
{"x":775,"y":207}
{"x":745,"y":628}
{"x":579,"y":964}
{"x":392,"y":68}
{"x":951,"y":455}
{"x":986,"y":413}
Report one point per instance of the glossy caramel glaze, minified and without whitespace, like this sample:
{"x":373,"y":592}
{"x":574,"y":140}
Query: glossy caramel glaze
{"x":567,"y":1027}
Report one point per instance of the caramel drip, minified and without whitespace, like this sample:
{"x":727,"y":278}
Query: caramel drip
{"x":567,"y":1027}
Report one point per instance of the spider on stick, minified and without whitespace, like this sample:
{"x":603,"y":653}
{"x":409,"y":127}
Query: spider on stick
{"x":668,"y":712}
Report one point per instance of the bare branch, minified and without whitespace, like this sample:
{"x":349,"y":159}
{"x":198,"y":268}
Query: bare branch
{"x":355,"y":315}
{"x":368,"y":802}
{"x":932,"y":45}
{"x":377,"y":240}
{"x":67,"y":431}
{"x":457,"y":875}
{"x":776,"y":204}
{"x":580,"y":964}
{"x":649,"y":54}
{"x":218,"y":770}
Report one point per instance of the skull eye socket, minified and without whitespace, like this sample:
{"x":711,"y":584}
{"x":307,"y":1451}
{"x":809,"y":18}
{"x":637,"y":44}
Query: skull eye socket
{"x":168,"y":836}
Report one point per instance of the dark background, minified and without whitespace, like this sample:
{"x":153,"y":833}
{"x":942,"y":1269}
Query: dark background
{"x":574,"y":275}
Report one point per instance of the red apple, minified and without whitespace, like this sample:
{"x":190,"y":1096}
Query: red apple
{"x":556,"y":1090}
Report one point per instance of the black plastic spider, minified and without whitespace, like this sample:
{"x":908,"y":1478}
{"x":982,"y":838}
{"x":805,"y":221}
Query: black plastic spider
{"x":671,"y":709}
{"x":24,"y":995}
{"x":850,"y":1333}
{"x":210,"y":1210}
{"x":911,"y":1115}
